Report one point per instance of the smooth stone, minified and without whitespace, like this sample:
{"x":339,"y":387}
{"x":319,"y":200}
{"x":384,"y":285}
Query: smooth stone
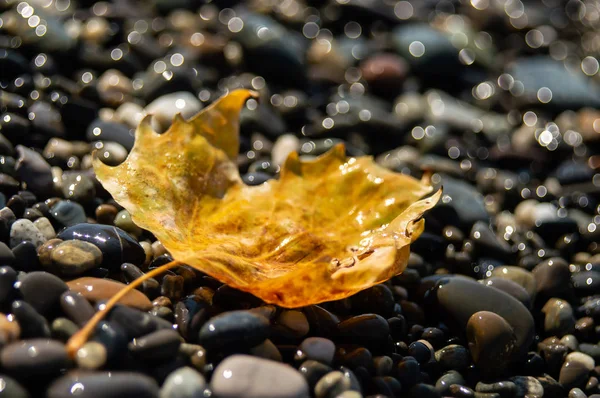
{"x":10,"y":330}
{"x":528,"y":386}
{"x":266,"y":350}
{"x":251,"y":377}
{"x":291,"y":323}
{"x":332,"y":384}
{"x":312,"y":371}
{"x":117,"y":246}
{"x":559,"y":319}
{"x":130,"y":113}
{"x":502,"y":388}
{"x":491,"y":341}
{"x":111,"y":153}
{"x":45,"y":227}
{"x":78,"y":187}
{"x":106,"y":213}
{"x":454,"y":298}
{"x":408,"y":371}
{"x":510,"y":287}
{"x":42,"y":290}
{"x":23,"y":230}
{"x":34,"y":358}
{"x":112,"y":384}
{"x":26,"y":257}
{"x":10,"y":388}
{"x":62,"y":329}
{"x":123,"y":220}
{"x":421,"y":350}
{"x":74,"y":257}
{"x":378,"y":299}
{"x":34,"y":171}
{"x":518,"y":275}
{"x":234,"y":329}
{"x":91,"y":356}
{"x":488,"y":244}
{"x":575,"y":370}
{"x":160,"y":345}
{"x":135,"y":323}
{"x":184,"y":382}
{"x":76,"y":307}
{"x":552,"y":277}
{"x":32,"y":324}
{"x":68,"y":213}
{"x":8,"y":276}
{"x":100,"y":130}
{"x":7,"y":257}
{"x":586,"y":282}
{"x":570,"y":342}
{"x":453,"y":357}
{"x":165,"y":107}
{"x":365,"y":328}
{"x":465,"y":200}
{"x":96,"y":289}
{"x":442,"y":385}
{"x":317,"y":349}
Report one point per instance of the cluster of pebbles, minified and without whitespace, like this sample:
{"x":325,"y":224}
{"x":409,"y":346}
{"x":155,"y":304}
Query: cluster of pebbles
{"x":499,"y":99}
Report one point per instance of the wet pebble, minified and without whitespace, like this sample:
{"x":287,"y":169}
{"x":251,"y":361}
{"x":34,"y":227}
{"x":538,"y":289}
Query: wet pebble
{"x":156,"y":346}
{"x":317,"y":349}
{"x":96,"y":289}
{"x":184,"y":382}
{"x":575,"y":370}
{"x":68,"y":213}
{"x":42,"y":291}
{"x":242,"y":375}
{"x":104,"y":385}
{"x":491,"y":341}
{"x":23,"y":230}
{"x":34,"y":358}
{"x":233,"y":329}
{"x":91,"y":356}
{"x":559,"y":319}
{"x":75,"y":257}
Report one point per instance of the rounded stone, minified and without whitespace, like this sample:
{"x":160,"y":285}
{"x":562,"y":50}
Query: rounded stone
{"x":575,"y":370}
{"x":103,"y":385}
{"x":491,"y":341}
{"x":552,"y":277}
{"x":251,"y":377}
{"x":23,"y":230}
{"x":97,"y":289}
{"x":184,"y":382}
{"x":520,"y":276}
{"x":559,"y":319}
{"x":454,"y":299}
{"x":74,"y":257}
{"x":36,"y":357}
{"x":42,"y":290}
{"x":91,"y":356}
{"x":123,"y":220}
{"x":234,"y":329}
{"x":331,"y":385}
{"x":316,"y":348}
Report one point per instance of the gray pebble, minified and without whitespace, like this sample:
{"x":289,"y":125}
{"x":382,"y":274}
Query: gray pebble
{"x":442,"y":385}
{"x":103,"y":385}
{"x":234,"y":328}
{"x":318,"y":349}
{"x":157,"y":346}
{"x":42,"y":290}
{"x":78,"y":186}
{"x":184,"y":382}
{"x":63,"y":329}
{"x":453,"y":357}
{"x":68,"y":213}
{"x":10,"y":388}
{"x":45,"y":227}
{"x":251,"y":377}
{"x":36,"y":357}
{"x":23,"y":230}
{"x":528,"y":385}
{"x":167,"y":106}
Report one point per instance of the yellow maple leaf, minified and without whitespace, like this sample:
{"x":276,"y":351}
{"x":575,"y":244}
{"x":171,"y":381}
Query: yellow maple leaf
{"x":326,"y":229}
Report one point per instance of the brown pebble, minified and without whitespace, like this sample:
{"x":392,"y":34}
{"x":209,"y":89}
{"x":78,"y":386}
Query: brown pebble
{"x":162,"y":301}
{"x":491,"y":341}
{"x":9,"y":329}
{"x":105,"y":214}
{"x":172,"y":287}
{"x":96,"y":289}
{"x":45,"y":251}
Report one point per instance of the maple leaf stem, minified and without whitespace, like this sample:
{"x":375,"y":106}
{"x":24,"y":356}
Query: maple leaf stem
{"x":82,"y":336}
